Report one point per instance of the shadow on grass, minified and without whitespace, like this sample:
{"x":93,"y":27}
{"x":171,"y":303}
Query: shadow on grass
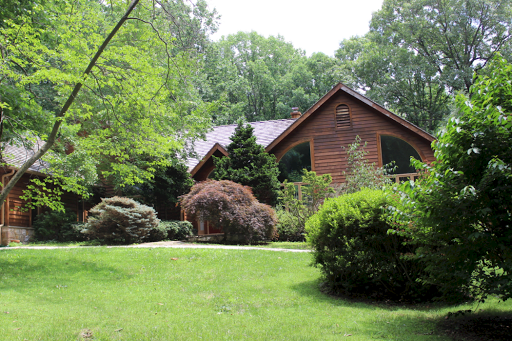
{"x":480,"y":326}
{"x":27,"y":270}
{"x":317,"y":289}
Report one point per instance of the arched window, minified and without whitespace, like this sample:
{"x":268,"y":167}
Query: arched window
{"x":343,"y":116}
{"x":294,"y":161}
{"x":399,"y":151}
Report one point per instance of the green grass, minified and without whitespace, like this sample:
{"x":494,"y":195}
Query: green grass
{"x":188,"y":294}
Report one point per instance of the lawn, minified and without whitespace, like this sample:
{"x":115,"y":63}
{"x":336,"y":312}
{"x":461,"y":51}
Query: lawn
{"x":189,"y":294}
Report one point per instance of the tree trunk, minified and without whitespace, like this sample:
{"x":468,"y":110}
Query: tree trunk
{"x":51,"y":138}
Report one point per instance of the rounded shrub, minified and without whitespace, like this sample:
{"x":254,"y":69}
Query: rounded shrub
{"x":119,"y":220}
{"x":233,"y":207}
{"x":358,"y":256}
{"x":289,"y":228}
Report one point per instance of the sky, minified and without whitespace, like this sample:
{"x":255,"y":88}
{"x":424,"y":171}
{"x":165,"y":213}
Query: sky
{"x":311,"y":25}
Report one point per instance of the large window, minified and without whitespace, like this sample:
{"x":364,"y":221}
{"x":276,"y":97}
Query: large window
{"x":294,"y":161}
{"x":399,"y":151}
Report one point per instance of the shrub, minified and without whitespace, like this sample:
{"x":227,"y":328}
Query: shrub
{"x":233,"y":207}
{"x":360,"y":172}
{"x":357,"y":255}
{"x":315,"y":189}
{"x":461,"y":211}
{"x":288,"y":227}
{"x":120,"y":220}
{"x":171,"y":230}
{"x":58,"y":226}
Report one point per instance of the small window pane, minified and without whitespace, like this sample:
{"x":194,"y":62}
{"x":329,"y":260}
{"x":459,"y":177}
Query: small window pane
{"x":395,"y":149}
{"x":294,"y":161}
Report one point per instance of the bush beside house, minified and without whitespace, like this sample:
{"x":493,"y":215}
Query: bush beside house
{"x":119,"y":220}
{"x":233,"y":207}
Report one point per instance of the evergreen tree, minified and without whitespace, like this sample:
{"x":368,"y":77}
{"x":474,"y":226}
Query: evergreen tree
{"x":248,"y":164}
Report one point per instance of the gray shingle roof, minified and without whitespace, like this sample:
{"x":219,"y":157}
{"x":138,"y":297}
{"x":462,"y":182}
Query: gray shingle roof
{"x":265,"y":132}
{"x":17,"y":155}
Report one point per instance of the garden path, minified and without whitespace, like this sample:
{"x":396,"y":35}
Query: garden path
{"x":168,"y":244}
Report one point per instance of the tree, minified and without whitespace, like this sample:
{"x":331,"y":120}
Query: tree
{"x":248,"y":164}
{"x":419,"y":53}
{"x":117,"y":92}
{"x":462,"y":211}
{"x":397,"y":78}
{"x":231,"y":206}
{"x":164,"y":189}
{"x":263,"y":78}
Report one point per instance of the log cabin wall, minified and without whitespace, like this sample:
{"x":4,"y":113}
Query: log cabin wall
{"x":19,"y":219}
{"x":327,"y":139}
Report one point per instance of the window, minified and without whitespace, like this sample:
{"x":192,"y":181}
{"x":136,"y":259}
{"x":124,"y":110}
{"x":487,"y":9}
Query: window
{"x":294,"y":161}
{"x":343,"y":116}
{"x":399,"y":151}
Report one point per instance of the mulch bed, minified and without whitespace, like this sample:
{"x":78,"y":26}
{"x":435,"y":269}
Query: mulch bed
{"x":477,"y":327}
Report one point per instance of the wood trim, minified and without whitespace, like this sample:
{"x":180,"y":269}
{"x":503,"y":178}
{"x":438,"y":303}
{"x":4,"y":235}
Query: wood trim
{"x":215,"y":147}
{"x":312,"y":153}
{"x":379,"y":146}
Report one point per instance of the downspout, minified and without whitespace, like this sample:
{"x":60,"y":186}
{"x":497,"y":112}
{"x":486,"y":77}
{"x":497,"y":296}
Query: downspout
{"x":3,"y":204}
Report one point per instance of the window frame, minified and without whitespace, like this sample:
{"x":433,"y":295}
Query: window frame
{"x":401,"y":137}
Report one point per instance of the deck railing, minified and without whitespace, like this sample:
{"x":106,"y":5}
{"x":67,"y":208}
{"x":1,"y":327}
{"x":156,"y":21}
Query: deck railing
{"x":397,"y":178}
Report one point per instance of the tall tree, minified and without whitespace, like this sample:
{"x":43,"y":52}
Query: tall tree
{"x":457,"y":37}
{"x":248,"y":164}
{"x":419,"y":53}
{"x":262,"y":78}
{"x":120,"y":91}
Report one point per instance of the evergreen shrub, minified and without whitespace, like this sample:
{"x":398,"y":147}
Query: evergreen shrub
{"x":58,"y":226}
{"x":358,"y":256}
{"x":119,"y":220}
{"x":233,"y":207}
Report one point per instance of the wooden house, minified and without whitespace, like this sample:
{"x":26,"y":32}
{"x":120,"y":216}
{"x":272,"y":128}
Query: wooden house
{"x":316,"y":139}
{"x":15,"y":218}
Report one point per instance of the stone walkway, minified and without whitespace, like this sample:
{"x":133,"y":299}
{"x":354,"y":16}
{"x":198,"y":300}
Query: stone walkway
{"x":170,"y":244}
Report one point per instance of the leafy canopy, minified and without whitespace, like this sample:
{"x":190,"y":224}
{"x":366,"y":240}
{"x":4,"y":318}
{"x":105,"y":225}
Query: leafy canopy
{"x":122,"y":115}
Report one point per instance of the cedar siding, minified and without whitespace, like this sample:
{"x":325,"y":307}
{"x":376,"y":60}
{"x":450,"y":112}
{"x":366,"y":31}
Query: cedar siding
{"x":327,"y":140}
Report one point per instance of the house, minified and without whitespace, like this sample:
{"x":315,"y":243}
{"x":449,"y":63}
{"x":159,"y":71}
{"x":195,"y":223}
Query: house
{"x":311,"y":140}
{"x":314,"y":139}
{"x":15,"y":218}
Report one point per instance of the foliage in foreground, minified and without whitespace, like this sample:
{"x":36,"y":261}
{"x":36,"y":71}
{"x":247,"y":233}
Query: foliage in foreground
{"x":232,"y":207}
{"x":357,"y":255}
{"x":120,"y":220}
{"x":121,"y":100}
{"x":248,"y":164}
{"x":462,"y":212}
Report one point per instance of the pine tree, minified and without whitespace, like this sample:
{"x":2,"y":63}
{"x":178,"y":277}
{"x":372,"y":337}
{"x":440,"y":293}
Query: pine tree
{"x":248,"y":164}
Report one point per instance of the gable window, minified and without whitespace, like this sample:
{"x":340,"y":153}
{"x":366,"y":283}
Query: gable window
{"x":294,"y":161}
{"x":343,"y":116}
{"x":399,"y":151}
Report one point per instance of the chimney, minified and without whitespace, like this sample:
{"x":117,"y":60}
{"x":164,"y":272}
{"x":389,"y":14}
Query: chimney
{"x":295,"y":113}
